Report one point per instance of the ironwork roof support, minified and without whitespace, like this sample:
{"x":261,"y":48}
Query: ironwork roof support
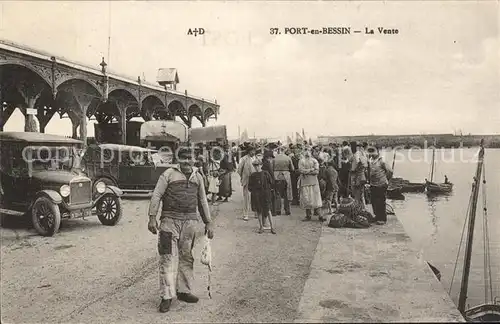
{"x":53,"y":71}
{"x":139,"y":90}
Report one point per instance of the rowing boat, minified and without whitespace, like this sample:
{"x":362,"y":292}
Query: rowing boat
{"x":407,"y":186}
{"x":395,"y":192}
{"x":436,"y":188}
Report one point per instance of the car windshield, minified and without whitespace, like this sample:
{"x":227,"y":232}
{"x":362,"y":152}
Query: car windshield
{"x":162,"y":158}
{"x":53,"y":158}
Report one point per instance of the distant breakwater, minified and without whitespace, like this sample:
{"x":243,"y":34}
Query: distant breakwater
{"x":420,"y":141}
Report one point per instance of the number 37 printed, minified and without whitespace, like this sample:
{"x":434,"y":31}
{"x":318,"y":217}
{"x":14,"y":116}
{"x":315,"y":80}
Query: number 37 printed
{"x":273,"y":31}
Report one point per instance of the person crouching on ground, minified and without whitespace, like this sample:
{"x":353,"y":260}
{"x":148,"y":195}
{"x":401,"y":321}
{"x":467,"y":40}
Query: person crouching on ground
{"x":379,"y":175}
{"x":182,"y":193}
{"x":260,"y":186}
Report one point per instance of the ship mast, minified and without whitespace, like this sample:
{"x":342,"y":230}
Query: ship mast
{"x":433,"y":160}
{"x":470,"y":232}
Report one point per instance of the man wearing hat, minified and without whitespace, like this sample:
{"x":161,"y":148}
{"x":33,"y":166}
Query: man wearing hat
{"x":182,"y":193}
{"x":245,"y":169}
{"x":283,"y":167}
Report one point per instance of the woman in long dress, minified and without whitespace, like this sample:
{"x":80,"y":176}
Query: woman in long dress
{"x":260,"y":186}
{"x":310,"y":194}
{"x":226,"y":169}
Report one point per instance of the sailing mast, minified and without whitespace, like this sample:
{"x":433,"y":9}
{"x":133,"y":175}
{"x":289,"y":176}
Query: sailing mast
{"x":433,"y":158}
{"x":470,"y":232}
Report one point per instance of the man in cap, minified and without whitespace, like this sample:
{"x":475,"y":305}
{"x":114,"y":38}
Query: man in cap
{"x":283,"y":167}
{"x":182,"y":193}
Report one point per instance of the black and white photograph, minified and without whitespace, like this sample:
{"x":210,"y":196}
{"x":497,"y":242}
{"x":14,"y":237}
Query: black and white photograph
{"x":249,"y":161}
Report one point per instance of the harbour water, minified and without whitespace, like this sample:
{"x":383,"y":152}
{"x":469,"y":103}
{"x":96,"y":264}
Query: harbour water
{"x":435,"y":224}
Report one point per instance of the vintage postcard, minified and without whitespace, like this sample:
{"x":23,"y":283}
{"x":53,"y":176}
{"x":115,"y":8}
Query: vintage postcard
{"x":249,"y":161}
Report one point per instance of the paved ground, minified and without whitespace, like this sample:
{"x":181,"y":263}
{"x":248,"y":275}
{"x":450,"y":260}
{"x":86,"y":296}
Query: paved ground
{"x":372,"y":275}
{"x":91,"y":273}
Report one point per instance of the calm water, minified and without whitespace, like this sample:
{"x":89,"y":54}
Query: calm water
{"x":435,"y":225}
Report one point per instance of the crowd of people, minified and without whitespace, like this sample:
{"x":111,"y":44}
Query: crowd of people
{"x":318,"y":178}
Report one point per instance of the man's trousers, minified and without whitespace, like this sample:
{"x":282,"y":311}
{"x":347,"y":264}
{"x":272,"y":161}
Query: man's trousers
{"x":175,"y":246}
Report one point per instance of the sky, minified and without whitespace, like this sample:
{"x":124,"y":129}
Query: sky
{"x":439,"y":74}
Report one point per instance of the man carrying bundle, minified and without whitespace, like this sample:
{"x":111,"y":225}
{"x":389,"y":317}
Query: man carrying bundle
{"x":182,"y":193}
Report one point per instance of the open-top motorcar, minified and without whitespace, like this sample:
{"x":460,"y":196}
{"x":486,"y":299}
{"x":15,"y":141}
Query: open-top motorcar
{"x":40,"y":177}
{"x":133,"y":169}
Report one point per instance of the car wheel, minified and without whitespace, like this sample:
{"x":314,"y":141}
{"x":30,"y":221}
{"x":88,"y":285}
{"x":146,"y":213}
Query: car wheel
{"x":109,"y":209}
{"x":45,"y":216}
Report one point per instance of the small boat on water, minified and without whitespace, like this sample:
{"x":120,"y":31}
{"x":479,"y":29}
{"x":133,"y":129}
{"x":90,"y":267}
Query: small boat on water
{"x":414,"y":187}
{"x":433,"y":188}
{"x":436,"y":188}
{"x":407,"y":186}
{"x":395,"y":188}
{"x":395,"y":192}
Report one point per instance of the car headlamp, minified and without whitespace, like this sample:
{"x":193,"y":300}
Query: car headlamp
{"x":64,"y":190}
{"x":100,"y":187}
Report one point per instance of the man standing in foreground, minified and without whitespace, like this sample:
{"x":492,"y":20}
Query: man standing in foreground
{"x":379,"y":175}
{"x":182,"y":193}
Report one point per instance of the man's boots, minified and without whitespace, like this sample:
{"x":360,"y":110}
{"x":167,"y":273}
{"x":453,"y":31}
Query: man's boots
{"x":165,"y":305}
{"x":187,"y":297}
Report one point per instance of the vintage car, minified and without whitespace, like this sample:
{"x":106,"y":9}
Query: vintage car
{"x":133,"y":169}
{"x":41,"y":178}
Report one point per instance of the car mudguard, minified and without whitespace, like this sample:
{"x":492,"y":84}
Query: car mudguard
{"x":52,"y":195}
{"x":112,"y":189}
